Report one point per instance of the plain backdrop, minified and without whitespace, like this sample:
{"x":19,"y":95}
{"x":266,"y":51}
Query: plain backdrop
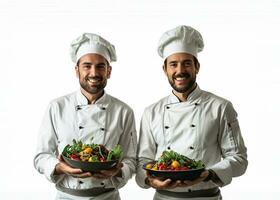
{"x":240,"y":62}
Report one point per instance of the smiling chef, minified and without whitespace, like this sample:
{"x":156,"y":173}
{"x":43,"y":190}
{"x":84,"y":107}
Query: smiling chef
{"x":192,"y":122}
{"x":92,"y":116}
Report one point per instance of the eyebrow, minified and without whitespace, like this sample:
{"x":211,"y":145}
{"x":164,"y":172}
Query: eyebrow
{"x":102,"y":63}
{"x":89,"y":63}
{"x":86,"y":63}
{"x":186,"y":60}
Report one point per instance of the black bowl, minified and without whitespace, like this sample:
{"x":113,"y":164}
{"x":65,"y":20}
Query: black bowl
{"x":190,"y":174}
{"x":90,"y":166}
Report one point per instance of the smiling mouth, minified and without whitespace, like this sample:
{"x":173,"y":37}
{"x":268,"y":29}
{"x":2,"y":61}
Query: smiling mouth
{"x":93,"y":80}
{"x":180,"y":78}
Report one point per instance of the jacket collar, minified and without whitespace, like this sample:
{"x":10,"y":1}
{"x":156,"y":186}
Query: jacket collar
{"x":82,"y":100}
{"x":193,"y":96}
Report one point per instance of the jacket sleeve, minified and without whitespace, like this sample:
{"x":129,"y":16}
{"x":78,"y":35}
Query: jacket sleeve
{"x":233,"y":149}
{"x":146,"y":149}
{"x":46,"y":154}
{"x":128,"y":142}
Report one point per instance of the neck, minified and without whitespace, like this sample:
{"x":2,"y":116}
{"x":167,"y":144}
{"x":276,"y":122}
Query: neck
{"x":184,"y":96}
{"x":92,"y":98}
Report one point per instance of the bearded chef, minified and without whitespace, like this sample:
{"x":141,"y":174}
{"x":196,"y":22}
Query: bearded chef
{"x":192,"y":122}
{"x":92,"y":116}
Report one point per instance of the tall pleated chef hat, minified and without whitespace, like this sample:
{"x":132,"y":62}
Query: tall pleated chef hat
{"x":92,"y":43}
{"x":182,"y":39}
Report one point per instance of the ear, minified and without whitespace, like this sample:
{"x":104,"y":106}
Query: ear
{"x":197,"y":67}
{"x":164,"y":69}
{"x":77,"y":71}
{"x":109,"y":70}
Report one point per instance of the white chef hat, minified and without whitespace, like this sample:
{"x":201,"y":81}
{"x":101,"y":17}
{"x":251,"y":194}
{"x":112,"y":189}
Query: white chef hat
{"x":182,"y":39}
{"x":92,"y":43}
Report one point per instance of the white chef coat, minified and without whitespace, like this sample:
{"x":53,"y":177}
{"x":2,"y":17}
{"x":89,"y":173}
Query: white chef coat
{"x":108,"y":121}
{"x":205,"y":127}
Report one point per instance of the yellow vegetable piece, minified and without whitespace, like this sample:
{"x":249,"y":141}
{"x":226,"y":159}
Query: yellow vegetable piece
{"x":155,"y":167}
{"x":87,"y":150}
{"x":175,"y":164}
{"x":90,"y":159}
{"x":149,"y":166}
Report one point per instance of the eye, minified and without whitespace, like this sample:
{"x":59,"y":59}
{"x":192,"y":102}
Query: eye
{"x":187,"y":63}
{"x":101,"y":66}
{"x":172,"y":64}
{"x":86,"y":66}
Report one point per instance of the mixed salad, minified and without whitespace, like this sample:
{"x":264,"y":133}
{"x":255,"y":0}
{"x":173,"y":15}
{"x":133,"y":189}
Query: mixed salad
{"x":91,"y":152}
{"x":171,"y":160}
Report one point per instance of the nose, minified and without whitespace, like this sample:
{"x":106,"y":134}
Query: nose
{"x":181,"y":68}
{"x":93,"y":71}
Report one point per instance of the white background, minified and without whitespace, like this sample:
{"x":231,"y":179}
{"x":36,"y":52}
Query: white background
{"x":240,"y":62}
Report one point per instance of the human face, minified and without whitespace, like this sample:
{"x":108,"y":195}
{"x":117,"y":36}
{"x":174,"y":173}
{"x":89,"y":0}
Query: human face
{"x":93,"y":70}
{"x":181,"y":71}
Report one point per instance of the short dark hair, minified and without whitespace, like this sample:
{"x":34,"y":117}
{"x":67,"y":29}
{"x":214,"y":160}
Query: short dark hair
{"x":194,"y":60}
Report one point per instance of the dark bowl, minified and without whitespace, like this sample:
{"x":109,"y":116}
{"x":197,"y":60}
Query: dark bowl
{"x":90,"y":166}
{"x":190,"y":174}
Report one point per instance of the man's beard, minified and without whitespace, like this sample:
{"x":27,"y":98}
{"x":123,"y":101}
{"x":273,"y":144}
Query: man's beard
{"x":93,"y":89}
{"x":185,"y":88}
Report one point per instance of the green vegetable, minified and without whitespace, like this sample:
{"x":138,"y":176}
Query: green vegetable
{"x":98,"y":152}
{"x":93,"y":159}
{"x":115,"y":153}
{"x":76,"y":147}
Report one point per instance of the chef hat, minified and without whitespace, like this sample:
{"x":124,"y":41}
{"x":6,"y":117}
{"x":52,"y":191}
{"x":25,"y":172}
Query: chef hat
{"x":182,"y":39}
{"x":92,"y":43}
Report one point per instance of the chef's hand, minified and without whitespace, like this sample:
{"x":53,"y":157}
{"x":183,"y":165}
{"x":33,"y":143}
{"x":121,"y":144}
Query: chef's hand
{"x":105,"y":174}
{"x":169,"y":184}
{"x":161,"y":184}
{"x":63,"y":168}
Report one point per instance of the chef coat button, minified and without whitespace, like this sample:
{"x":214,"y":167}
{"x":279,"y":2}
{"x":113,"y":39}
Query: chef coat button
{"x":168,"y":148}
{"x":191,"y":147}
{"x":196,"y":104}
{"x":166,"y":127}
{"x":81,"y":127}
{"x":167,"y":107}
{"x":103,"y":108}
{"x":192,"y":125}
{"x":102,"y":183}
{"x":81,"y":182}
{"x":102,"y":129}
{"x":78,"y":107}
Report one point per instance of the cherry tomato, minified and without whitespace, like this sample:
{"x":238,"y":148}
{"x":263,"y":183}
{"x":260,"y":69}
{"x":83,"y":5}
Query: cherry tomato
{"x":161,"y":166}
{"x":102,"y":159}
{"x":74,"y":157}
